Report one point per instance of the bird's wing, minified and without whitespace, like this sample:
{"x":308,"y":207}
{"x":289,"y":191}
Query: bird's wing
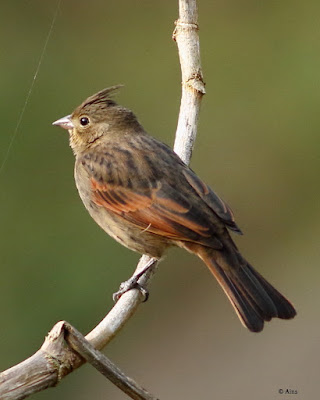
{"x":153,"y":206}
{"x":161,"y":210}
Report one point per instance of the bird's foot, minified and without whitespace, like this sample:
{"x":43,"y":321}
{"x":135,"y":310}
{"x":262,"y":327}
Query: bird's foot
{"x":131,"y":283}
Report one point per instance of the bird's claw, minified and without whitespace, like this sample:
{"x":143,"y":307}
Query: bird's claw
{"x":131,"y":283}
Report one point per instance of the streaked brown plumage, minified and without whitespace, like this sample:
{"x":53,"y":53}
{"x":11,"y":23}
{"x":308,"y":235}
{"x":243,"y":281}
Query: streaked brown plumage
{"x":140,"y":192}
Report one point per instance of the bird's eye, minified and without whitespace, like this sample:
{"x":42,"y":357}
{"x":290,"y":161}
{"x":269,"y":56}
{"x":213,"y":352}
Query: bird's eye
{"x":84,"y":121}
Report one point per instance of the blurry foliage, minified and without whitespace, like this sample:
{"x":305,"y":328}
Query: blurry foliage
{"x":258,"y":147}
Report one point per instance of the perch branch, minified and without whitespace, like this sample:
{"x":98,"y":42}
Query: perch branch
{"x":193,"y":88}
{"x":62,"y":352}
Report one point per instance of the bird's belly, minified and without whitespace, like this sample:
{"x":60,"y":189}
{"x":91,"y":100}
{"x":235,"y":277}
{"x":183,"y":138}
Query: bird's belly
{"x":126,"y":233}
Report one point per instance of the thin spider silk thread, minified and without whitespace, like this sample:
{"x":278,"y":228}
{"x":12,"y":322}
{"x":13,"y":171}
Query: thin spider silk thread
{"x":15,"y":132}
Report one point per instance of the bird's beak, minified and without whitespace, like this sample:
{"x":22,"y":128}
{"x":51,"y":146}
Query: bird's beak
{"x":64,"y":122}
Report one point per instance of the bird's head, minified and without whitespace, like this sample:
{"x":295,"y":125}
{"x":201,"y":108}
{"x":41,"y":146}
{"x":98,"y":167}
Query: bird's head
{"x":98,"y":118}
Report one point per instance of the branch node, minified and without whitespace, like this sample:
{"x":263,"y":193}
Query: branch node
{"x":56,"y":350}
{"x":196,"y":83}
{"x":183,"y":26}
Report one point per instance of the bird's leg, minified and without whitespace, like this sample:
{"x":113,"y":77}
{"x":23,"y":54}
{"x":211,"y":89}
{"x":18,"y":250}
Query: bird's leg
{"x":132,"y":283}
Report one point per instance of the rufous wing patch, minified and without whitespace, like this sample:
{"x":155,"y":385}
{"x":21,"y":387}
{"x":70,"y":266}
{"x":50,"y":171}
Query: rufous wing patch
{"x":119,"y":199}
{"x":157,"y":214}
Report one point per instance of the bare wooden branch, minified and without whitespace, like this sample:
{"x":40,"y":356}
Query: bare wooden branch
{"x":187,"y":38}
{"x":57,"y":358}
{"x":64,"y":348}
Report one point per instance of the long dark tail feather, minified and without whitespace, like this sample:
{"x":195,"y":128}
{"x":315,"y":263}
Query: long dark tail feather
{"x":254,"y":299}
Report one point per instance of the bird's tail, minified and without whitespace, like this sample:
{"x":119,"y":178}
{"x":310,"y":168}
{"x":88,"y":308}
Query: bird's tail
{"x":254,"y":299}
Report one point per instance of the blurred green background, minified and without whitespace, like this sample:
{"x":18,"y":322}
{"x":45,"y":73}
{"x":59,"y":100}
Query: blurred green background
{"x":258,"y":147}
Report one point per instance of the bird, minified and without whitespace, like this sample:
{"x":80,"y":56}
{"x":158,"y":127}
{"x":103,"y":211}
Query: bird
{"x":141,"y":193}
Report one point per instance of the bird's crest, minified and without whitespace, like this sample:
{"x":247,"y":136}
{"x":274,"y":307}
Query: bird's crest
{"x":103,"y":96}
